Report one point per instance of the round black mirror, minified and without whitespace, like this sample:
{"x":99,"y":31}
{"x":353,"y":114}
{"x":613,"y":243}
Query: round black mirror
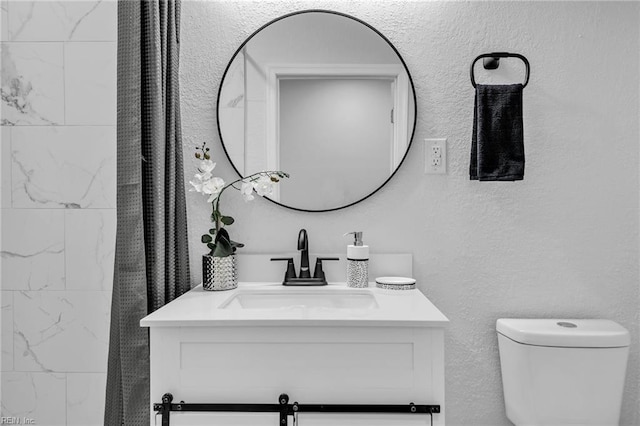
{"x":324,"y":97}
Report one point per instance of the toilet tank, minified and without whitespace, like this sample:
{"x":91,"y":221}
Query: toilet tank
{"x":562,"y":371}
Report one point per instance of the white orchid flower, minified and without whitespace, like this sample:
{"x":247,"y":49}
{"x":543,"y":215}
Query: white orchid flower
{"x":263,"y":186}
{"x":247,"y":191}
{"x":202,"y":177}
{"x":212,"y":187}
{"x":197,"y":186}
{"x":207,"y":166}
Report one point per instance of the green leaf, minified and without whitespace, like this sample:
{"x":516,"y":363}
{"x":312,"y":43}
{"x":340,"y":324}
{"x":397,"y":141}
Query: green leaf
{"x":211,"y":246}
{"x":227,"y":220}
{"x":223,"y":234}
{"x":223,"y":244}
{"x":206,"y":238}
{"x":212,"y":231}
{"x":222,"y":250}
{"x":235,"y":244}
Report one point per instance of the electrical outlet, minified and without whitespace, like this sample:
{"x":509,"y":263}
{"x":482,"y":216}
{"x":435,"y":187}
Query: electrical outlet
{"x":435,"y":156}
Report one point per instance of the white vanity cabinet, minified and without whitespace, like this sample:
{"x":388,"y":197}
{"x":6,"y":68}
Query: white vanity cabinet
{"x":202,"y":353}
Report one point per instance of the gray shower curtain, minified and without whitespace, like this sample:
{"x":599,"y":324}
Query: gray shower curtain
{"x":151,"y":261}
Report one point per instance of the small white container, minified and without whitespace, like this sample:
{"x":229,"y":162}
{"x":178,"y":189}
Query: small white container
{"x":396,"y":283}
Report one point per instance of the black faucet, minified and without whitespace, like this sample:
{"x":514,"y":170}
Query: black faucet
{"x":303,"y":246}
{"x":304,"y":279}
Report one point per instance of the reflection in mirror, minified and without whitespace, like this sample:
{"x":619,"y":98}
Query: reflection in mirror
{"x":323,"y":97}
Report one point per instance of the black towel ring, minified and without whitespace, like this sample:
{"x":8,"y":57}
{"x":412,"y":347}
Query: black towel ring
{"x":494,"y":61}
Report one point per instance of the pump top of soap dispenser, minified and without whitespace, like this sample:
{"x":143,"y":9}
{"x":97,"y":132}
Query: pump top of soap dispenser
{"x":357,"y":237}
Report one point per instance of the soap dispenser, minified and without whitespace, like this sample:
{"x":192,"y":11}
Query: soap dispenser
{"x":357,"y":262}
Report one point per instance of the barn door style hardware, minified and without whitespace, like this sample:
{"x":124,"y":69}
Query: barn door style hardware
{"x":285,"y":409}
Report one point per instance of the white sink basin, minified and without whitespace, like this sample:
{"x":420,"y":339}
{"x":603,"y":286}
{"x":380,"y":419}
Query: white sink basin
{"x":272,"y":304}
{"x":302,"y":298}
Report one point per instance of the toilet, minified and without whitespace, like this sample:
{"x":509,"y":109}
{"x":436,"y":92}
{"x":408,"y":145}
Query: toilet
{"x":562,"y":371}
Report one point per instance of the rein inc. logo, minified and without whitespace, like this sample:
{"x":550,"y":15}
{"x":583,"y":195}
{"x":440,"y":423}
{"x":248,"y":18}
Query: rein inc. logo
{"x":17,"y":421}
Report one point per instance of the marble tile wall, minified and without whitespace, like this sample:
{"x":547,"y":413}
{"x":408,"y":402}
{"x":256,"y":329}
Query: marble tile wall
{"x":58,"y":199}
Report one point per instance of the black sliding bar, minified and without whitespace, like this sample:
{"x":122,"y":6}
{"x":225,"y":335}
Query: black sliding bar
{"x":285,"y":409}
{"x":374,"y":409}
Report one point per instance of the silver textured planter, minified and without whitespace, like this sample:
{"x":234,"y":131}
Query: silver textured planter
{"x":219,"y":273}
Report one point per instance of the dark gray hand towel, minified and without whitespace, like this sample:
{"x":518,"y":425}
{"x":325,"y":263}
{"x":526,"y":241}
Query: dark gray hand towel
{"x":497,"y":145}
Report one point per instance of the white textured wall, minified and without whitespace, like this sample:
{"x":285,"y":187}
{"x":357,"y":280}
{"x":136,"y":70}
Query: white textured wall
{"x":562,"y":243}
{"x":58,"y":207}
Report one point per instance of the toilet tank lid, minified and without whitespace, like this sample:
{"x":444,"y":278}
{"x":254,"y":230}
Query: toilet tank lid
{"x":570,"y":333}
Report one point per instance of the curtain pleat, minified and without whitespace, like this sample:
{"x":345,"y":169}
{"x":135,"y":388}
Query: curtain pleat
{"x":151,"y":261}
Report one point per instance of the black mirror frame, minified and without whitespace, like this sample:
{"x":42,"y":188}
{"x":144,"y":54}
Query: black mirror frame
{"x":413,"y":91}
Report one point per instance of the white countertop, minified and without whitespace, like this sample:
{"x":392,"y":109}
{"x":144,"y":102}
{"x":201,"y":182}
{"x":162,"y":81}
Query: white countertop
{"x":201,"y":308}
